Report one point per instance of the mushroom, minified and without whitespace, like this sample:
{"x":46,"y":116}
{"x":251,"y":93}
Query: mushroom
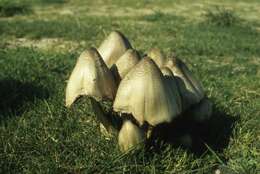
{"x":194,"y":102}
{"x":124,"y":64}
{"x":145,"y":94}
{"x":190,"y":88}
{"x":113,"y":47}
{"x":157,"y":55}
{"x":130,"y":136}
{"x":90,"y":77}
{"x":151,"y":92}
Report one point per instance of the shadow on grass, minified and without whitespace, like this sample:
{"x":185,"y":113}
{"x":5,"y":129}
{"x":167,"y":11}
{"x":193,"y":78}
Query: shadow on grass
{"x":14,"y":95}
{"x":196,"y":137}
{"x":10,"y":8}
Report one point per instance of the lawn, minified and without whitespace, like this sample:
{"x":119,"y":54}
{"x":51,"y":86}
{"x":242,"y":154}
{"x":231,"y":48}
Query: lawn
{"x":39,"y":45}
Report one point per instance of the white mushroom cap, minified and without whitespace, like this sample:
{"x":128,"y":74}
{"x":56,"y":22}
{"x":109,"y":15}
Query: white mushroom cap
{"x":125,"y":63}
{"x":130,"y":136}
{"x":113,"y":47}
{"x":90,"y":77}
{"x":171,"y":82}
{"x":157,"y":55}
{"x":144,"y":94}
{"x":190,"y":88}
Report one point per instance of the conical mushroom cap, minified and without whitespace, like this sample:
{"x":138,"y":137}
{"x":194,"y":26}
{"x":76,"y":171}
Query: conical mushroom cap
{"x":190,"y":88}
{"x":113,"y":47}
{"x":130,"y":136}
{"x":144,"y":94}
{"x":157,"y":55}
{"x":125,"y":63}
{"x":171,"y":82}
{"x":90,"y":77}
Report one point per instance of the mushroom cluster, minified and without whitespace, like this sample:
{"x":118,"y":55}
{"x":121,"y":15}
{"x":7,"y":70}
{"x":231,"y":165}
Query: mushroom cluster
{"x":145,"y":92}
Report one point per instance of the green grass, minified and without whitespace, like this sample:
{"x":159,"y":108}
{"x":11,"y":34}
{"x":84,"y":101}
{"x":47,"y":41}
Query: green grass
{"x":221,"y":17}
{"x":11,"y":8}
{"x":23,"y":7}
{"x":38,"y":134}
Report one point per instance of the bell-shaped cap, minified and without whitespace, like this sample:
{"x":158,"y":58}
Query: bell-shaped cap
{"x":144,"y":94}
{"x":157,"y":56}
{"x":125,"y":63}
{"x":130,"y":136}
{"x":190,"y":88}
{"x":171,"y":82}
{"x":113,"y":47}
{"x":90,"y":77}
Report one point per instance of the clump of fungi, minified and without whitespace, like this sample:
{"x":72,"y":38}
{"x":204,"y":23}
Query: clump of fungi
{"x":144,"y":92}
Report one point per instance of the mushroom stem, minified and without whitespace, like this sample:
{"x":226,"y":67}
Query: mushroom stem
{"x":149,"y":131}
{"x":105,"y":121}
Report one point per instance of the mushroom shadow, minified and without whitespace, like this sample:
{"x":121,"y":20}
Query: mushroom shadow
{"x":15,"y":94}
{"x":196,"y":137}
